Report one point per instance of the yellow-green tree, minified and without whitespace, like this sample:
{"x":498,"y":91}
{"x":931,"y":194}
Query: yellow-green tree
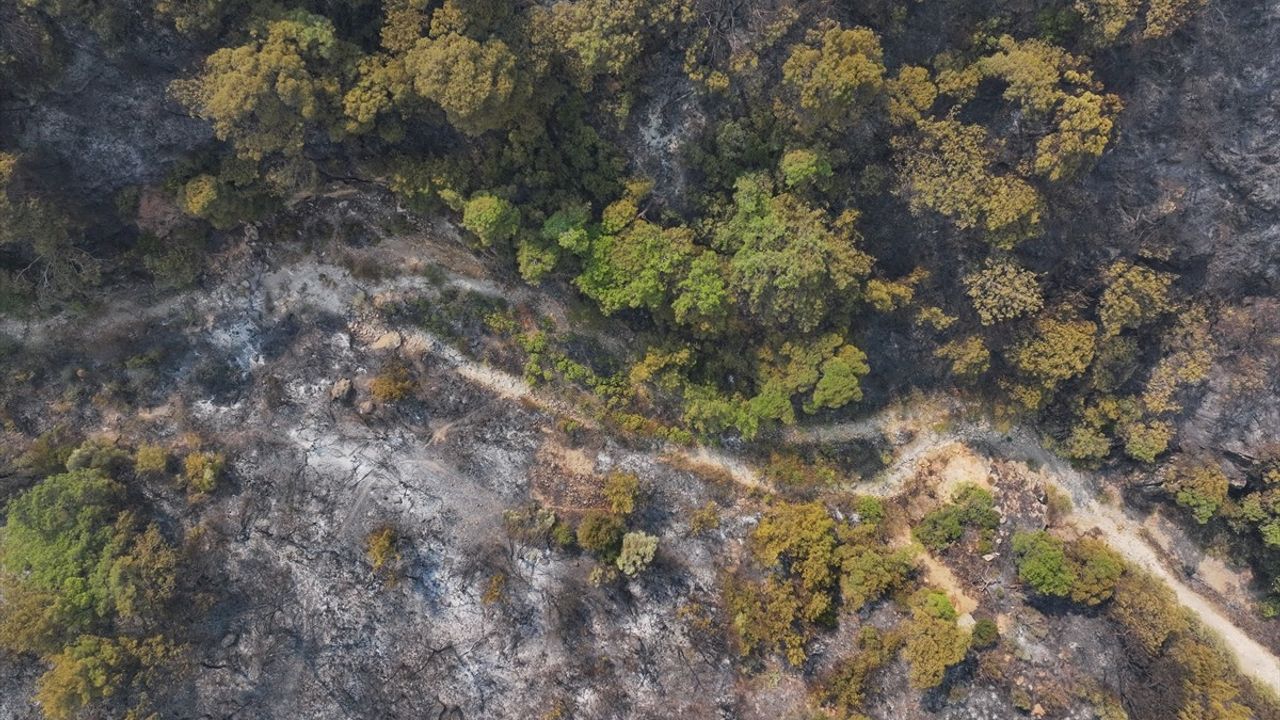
{"x":1002,"y":291}
{"x":834,"y":76}
{"x":266,"y":95}
{"x":477,"y":84}
{"x":1135,"y":296}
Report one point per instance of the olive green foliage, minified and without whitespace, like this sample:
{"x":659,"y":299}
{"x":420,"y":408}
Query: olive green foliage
{"x":1135,"y":295}
{"x":1057,"y":350}
{"x":78,"y":575}
{"x":844,"y":690}
{"x":622,"y":489}
{"x":1148,"y":610}
{"x":150,"y":459}
{"x":600,"y":533}
{"x":933,"y":641}
{"x":492,"y":219}
{"x":949,"y":169}
{"x":801,"y":540}
{"x":806,"y":557}
{"x":1198,"y":484}
{"x":1002,"y":291}
{"x":1043,"y":564}
{"x":985,"y":633}
{"x":968,"y":356}
{"x":394,"y":384}
{"x":477,"y":84}
{"x":637,"y":552}
{"x":972,"y":507}
{"x":834,"y":75}
{"x":380,"y":548}
{"x":202,"y":470}
{"x":264,"y":96}
{"x":1098,"y":569}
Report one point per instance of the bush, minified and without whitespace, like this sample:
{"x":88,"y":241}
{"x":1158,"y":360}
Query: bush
{"x":1043,"y":564}
{"x":393,"y":384}
{"x":972,"y":507}
{"x":638,"y":549}
{"x":380,"y":547}
{"x":621,"y":489}
{"x":202,"y":470}
{"x":150,"y":459}
{"x":985,"y":633}
{"x":600,"y":533}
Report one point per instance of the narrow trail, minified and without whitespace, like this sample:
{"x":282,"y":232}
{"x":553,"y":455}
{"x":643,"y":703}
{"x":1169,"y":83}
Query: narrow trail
{"x":1122,"y":533}
{"x":916,"y":430}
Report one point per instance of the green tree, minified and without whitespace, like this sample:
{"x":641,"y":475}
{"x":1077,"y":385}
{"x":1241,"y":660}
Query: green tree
{"x":477,"y":84}
{"x":933,"y":641}
{"x":264,"y":96}
{"x":834,"y":76}
{"x":60,"y":541}
{"x":789,"y":266}
{"x":1043,"y":564}
{"x":1135,"y":296}
{"x":637,"y":267}
{"x":492,"y":219}
{"x":803,"y":168}
{"x":637,"y":552}
{"x":1003,"y":291}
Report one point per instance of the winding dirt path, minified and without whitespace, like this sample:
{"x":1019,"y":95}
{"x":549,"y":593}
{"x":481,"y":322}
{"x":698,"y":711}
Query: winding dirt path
{"x":1123,"y":534}
{"x":917,"y":430}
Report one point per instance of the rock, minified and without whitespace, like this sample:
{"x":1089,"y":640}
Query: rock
{"x":990,"y":556}
{"x":1037,"y":710}
{"x":342,"y":391}
{"x":365,"y":408}
{"x":389,"y":341}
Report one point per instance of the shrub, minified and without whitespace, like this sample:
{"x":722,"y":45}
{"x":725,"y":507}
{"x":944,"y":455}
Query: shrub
{"x":972,"y":507}
{"x":202,"y":470}
{"x":150,"y":459}
{"x":621,"y":489}
{"x":380,"y":547}
{"x":985,"y":633}
{"x":393,"y":384}
{"x":638,"y":549}
{"x":705,"y":518}
{"x":1043,"y":564}
{"x":600,"y":533}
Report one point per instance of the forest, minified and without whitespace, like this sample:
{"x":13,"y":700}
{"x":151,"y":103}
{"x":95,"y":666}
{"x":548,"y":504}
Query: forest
{"x":762,"y":216}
